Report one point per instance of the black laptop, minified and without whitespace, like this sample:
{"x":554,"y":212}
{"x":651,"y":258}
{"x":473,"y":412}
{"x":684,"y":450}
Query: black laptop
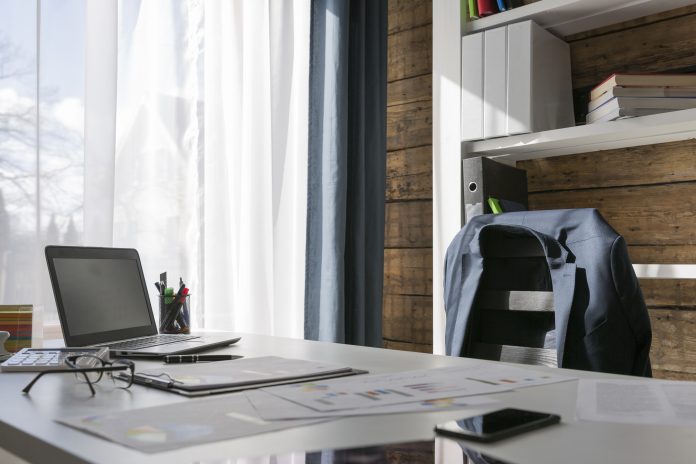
{"x":102,"y":300}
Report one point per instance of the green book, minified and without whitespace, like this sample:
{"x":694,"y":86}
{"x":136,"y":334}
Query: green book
{"x":494,"y":205}
{"x":473,"y":10}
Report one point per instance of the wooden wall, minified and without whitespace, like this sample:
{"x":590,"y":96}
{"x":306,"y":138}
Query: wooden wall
{"x":648,"y":194}
{"x":408,"y":279}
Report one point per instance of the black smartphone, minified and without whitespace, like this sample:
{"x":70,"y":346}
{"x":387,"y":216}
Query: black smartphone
{"x":496,"y":425}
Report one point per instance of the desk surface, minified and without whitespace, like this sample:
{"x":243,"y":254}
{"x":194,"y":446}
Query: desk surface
{"x":27,"y":428}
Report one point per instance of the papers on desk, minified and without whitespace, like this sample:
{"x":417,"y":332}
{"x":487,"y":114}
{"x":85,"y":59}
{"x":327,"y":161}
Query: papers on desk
{"x":174,"y":426}
{"x":271,"y":407}
{"x":643,"y":401}
{"x":225,"y":417}
{"x":369,"y":391}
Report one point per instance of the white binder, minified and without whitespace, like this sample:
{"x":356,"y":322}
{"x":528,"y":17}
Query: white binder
{"x":495,"y":83}
{"x":472,"y":87}
{"x":539,"y":91}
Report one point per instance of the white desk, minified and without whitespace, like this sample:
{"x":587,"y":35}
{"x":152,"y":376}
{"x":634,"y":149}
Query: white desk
{"x":27,"y":428}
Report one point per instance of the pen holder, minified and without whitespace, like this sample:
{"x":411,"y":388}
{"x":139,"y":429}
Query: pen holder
{"x":175,"y":317}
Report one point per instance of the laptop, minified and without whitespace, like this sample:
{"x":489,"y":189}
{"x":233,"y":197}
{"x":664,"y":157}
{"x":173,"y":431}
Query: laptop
{"x":102,"y":300}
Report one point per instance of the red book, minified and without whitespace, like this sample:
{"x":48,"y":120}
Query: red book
{"x":486,"y":7}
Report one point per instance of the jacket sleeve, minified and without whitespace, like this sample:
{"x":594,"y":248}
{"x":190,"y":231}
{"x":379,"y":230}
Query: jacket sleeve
{"x":632,"y":304}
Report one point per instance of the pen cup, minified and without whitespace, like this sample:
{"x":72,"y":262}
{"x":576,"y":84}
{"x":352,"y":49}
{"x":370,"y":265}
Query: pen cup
{"x":175,"y":317}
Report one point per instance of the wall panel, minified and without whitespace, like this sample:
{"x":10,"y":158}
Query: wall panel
{"x":407,"y":308}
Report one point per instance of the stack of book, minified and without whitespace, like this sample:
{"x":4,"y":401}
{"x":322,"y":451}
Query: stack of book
{"x":480,"y":8}
{"x":629,"y":95}
{"x":16,"y":319}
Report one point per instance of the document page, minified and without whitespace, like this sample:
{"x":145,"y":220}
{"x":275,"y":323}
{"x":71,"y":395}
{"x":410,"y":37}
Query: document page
{"x":271,"y":407}
{"x":643,"y":401}
{"x":369,"y":391}
{"x":174,"y":426}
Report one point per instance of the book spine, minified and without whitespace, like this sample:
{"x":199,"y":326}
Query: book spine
{"x":599,"y":112}
{"x":486,"y":7}
{"x":607,"y":84}
{"x":501,"y":5}
{"x":602,"y":99}
{"x":473,"y":10}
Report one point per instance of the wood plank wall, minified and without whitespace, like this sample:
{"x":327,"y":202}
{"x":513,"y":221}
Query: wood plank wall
{"x":648,"y":194}
{"x":408,"y":278}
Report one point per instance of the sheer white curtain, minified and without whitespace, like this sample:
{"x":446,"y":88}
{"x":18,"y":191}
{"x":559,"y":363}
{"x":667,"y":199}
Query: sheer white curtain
{"x":210,"y":160}
{"x":256,"y":88}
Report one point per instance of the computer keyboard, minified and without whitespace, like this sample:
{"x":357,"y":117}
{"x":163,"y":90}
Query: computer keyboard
{"x":147,"y":342}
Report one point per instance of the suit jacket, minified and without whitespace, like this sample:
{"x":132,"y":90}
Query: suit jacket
{"x":601,"y":320}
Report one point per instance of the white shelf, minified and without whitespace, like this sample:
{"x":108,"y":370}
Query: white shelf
{"x":565,"y":17}
{"x":644,"y":130}
{"x":665,"y":271}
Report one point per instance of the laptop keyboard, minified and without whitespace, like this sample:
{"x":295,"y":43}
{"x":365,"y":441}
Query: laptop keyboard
{"x":147,"y":342}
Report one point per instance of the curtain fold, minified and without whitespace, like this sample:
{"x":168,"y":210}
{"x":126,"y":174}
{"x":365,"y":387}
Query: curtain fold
{"x":347,"y":169}
{"x":100,"y":128}
{"x":257,"y":61}
{"x":157,"y":176}
{"x":211,"y":154}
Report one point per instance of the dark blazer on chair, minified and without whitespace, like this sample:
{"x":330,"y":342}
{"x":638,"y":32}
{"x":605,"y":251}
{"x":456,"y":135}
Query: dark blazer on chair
{"x":601,"y":320}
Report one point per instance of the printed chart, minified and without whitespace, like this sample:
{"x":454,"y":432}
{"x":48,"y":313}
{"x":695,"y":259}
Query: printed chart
{"x":164,"y":428}
{"x":412,"y":386}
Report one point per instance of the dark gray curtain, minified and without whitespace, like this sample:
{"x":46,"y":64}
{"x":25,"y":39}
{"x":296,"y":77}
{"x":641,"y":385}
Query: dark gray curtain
{"x":347,"y":169}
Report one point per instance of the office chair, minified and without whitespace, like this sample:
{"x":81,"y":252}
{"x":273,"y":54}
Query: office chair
{"x":518,"y":285}
{"x":513,"y":311}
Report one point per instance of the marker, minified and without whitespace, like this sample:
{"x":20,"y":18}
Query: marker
{"x":193,"y":358}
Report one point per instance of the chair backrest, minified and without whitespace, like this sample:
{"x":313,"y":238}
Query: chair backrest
{"x":513,"y":318}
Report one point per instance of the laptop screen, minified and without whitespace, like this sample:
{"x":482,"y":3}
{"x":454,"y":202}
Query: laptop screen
{"x":100,"y":294}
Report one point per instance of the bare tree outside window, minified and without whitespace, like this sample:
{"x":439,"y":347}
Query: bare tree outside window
{"x":41,"y":149}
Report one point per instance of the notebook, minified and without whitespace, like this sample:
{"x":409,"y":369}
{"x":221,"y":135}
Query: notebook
{"x":102,"y":300}
{"x":202,"y":379}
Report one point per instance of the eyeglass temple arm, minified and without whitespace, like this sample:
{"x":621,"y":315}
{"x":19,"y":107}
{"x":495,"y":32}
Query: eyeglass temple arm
{"x":76,"y":371}
{"x":26,"y":389}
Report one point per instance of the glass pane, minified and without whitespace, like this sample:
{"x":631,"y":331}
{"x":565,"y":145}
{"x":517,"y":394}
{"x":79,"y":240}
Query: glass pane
{"x":18,"y":154}
{"x":41,"y":165}
{"x":61,"y":130}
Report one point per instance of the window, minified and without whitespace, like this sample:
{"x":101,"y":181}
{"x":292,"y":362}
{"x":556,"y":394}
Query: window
{"x":41,"y":142}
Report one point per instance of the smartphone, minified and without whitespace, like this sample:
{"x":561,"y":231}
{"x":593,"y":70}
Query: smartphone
{"x":496,"y":425}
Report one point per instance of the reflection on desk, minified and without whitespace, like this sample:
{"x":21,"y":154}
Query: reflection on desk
{"x":416,"y":452}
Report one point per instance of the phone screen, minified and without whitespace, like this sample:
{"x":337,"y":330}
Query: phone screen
{"x":496,"y":425}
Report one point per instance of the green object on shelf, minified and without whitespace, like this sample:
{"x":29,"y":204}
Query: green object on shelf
{"x":473,"y":10}
{"x":494,"y":205}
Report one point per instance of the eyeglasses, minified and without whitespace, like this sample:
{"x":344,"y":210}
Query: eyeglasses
{"x":91,"y":369}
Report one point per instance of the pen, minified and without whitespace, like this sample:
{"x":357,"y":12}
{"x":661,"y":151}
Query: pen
{"x":173,"y":303}
{"x":192,"y":358}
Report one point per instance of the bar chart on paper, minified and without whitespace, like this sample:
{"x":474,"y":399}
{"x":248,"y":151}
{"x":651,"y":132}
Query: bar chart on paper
{"x":369,"y":391}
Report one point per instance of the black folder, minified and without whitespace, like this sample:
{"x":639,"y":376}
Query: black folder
{"x":484,"y":178}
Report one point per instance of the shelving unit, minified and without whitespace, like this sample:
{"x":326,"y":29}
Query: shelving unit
{"x":645,"y":130}
{"x":561,"y":17}
{"x":565,"y":17}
